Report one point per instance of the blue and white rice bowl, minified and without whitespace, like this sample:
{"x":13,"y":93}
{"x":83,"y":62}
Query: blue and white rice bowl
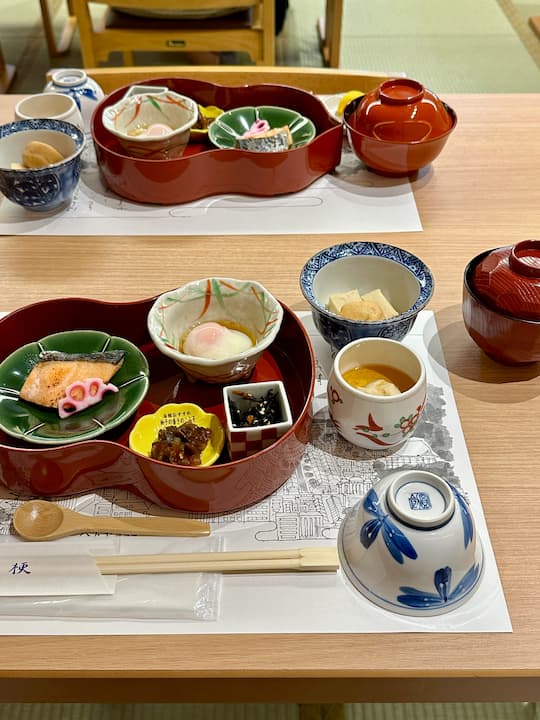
{"x":406,"y":282}
{"x":47,"y":188}
{"x":410,"y":545}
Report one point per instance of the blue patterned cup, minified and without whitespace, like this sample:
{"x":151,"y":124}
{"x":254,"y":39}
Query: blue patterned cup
{"x":47,"y":188}
{"x":411,"y":546}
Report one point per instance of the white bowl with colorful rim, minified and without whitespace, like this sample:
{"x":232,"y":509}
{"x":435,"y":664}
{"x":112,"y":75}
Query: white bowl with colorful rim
{"x":215,"y":328}
{"x":152,"y":125}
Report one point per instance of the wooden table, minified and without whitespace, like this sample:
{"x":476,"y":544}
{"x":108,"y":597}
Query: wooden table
{"x":483,"y":192}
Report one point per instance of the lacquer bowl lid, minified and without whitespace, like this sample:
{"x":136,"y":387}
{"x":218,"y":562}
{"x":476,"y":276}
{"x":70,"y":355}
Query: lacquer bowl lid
{"x":508,"y":279}
{"x":401,"y":110}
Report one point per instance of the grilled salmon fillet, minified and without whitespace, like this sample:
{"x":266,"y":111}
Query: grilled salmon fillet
{"x":54,"y":371}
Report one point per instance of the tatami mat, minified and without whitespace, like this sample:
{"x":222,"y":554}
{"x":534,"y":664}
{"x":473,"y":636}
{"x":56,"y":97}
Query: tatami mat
{"x":518,"y":14}
{"x":82,"y":711}
{"x":388,"y":18}
{"x":376,"y":711}
{"x":458,"y":46}
{"x":442,"y":711}
{"x":445,"y":64}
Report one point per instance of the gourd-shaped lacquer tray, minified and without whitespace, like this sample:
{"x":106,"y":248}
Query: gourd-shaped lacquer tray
{"x":205,"y":170}
{"x":28,"y":469}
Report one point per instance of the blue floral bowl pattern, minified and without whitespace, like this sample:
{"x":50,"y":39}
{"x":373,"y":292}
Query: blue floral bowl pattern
{"x":47,"y":188}
{"x":410,"y":545}
{"x":402,"y":277}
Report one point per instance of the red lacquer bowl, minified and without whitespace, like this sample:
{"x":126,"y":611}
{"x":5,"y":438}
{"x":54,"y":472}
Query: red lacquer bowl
{"x":402,"y":110}
{"x":204,"y":170}
{"x":399,"y":127}
{"x":508,"y":279}
{"x":30,"y":470}
{"x":512,"y":339}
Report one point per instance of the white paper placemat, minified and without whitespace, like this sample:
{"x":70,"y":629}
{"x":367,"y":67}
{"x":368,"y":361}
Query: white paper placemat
{"x":350,"y":200}
{"x":307,"y":510}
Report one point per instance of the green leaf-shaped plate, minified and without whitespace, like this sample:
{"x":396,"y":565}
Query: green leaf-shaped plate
{"x":43,"y":426}
{"x":229,"y":126}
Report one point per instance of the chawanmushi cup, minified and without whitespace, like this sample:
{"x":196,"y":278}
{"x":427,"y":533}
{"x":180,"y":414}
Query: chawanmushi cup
{"x":371,"y":421}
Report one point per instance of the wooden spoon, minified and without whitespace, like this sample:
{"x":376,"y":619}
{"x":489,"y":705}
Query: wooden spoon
{"x":42,"y":520}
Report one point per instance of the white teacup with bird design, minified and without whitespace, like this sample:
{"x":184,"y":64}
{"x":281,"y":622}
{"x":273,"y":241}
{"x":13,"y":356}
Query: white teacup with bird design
{"x":376,"y":392}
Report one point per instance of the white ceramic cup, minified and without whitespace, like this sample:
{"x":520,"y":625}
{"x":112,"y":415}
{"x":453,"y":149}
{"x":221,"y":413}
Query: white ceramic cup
{"x":55,"y":106}
{"x":373,"y":421}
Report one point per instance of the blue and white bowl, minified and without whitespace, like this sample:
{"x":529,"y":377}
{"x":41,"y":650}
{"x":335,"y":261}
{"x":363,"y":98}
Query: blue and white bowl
{"x":405,"y":281}
{"x":411,"y":545}
{"x":47,"y":188}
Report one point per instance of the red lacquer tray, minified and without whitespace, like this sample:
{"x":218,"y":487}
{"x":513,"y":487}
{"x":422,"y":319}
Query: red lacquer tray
{"x":30,"y":470}
{"x":204,"y":170}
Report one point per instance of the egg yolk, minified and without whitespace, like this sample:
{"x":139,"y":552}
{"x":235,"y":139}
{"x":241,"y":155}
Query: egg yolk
{"x":215,"y":342}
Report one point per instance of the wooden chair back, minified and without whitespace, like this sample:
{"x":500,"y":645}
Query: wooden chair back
{"x":250,"y":29}
{"x":317,"y":80}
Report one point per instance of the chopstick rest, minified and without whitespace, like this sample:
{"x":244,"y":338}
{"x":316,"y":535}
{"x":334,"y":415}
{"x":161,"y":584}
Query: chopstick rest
{"x":243,"y":561}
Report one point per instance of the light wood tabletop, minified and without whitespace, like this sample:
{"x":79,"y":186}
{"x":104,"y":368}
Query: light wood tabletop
{"x":482,"y":192}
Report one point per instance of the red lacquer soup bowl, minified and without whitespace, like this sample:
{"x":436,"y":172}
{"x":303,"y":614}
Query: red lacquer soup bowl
{"x":501,"y":302}
{"x":399,"y":127}
{"x":107,"y":461}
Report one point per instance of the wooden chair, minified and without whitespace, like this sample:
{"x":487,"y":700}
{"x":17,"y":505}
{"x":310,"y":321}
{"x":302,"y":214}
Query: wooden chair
{"x":317,"y":80}
{"x":329,"y":32}
{"x":250,"y":29}
{"x":61,"y":45}
{"x":6,"y":73}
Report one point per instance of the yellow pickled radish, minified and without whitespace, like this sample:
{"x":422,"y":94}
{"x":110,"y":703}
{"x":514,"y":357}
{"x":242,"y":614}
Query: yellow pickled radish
{"x":346,"y":99}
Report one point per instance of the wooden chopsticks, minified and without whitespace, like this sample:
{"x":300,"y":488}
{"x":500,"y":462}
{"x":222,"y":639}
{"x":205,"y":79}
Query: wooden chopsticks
{"x":299,"y":559}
